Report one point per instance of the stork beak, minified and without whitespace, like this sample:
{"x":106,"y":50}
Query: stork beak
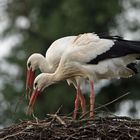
{"x":33,"y":98}
{"x":29,"y":81}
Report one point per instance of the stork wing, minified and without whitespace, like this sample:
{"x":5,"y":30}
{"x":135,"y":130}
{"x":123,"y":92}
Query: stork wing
{"x":90,"y":48}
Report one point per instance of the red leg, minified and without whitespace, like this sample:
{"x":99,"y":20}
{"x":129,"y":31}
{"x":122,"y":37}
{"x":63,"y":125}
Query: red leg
{"x":91,"y":99}
{"x":76,"y":105}
{"x":79,"y":97}
{"x":82,"y":100}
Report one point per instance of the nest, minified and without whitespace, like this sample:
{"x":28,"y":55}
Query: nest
{"x":65,"y":128}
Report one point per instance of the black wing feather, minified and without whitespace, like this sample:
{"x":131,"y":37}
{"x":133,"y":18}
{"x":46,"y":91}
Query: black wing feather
{"x":120,"y":48}
{"x":132,"y":66}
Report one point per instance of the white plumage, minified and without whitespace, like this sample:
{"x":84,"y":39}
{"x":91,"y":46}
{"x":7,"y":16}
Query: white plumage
{"x":92,"y":57}
{"x":49,"y":64}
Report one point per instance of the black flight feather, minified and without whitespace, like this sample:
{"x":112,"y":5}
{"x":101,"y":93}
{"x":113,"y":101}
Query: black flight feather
{"x":132,"y":66}
{"x":120,"y":48}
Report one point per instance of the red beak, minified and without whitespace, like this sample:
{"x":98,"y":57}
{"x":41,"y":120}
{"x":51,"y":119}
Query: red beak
{"x":33,"y":100}
{"x":29,"y":81}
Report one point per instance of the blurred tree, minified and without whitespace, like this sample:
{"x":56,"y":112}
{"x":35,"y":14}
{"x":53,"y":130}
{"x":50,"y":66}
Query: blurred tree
{"x":128,"y":25}
{"x":36,"y":24}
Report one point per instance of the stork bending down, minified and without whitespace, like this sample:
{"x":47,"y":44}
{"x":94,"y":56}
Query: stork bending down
{"x":92,"y":57}
{"x":49,"y":64}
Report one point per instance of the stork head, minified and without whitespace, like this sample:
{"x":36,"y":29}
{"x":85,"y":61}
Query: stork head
{"x":42,"y":81}
{"x":33,"y":63}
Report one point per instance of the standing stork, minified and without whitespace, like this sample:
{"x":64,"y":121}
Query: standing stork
{"x":49,"y":64}
{"x":92,"y":57}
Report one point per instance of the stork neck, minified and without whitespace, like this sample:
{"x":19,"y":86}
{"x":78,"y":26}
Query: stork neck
{"x":56,"y":77}
{"x":64,"y":72}
{"x":44,"y":65}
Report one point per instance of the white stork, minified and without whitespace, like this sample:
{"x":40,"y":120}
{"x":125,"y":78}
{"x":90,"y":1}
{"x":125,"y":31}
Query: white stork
{"x":92,"y":57}
{"x":49,"y":64}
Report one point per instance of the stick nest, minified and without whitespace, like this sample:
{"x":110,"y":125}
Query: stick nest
{"x":65,"y":128}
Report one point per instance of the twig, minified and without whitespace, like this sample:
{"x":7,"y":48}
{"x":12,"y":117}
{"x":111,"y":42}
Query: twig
{"x":58,"y":118}
{"x":102,"y":106}
{"x":36,"y":119}
{"x":54,"y":116}
{"x":18,"y":102}
{"x":58,"y":110}
{"x":15,"y":134}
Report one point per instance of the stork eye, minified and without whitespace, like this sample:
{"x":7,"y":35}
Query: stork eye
{"x":29,"y":64}
{"x":35,"y":85}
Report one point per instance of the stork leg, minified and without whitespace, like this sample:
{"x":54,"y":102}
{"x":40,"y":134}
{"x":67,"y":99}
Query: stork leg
{"x":92,"y":98}
{"x":82,"y":101}
{"x":76,"y":105}
{"x":79,"y":97}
